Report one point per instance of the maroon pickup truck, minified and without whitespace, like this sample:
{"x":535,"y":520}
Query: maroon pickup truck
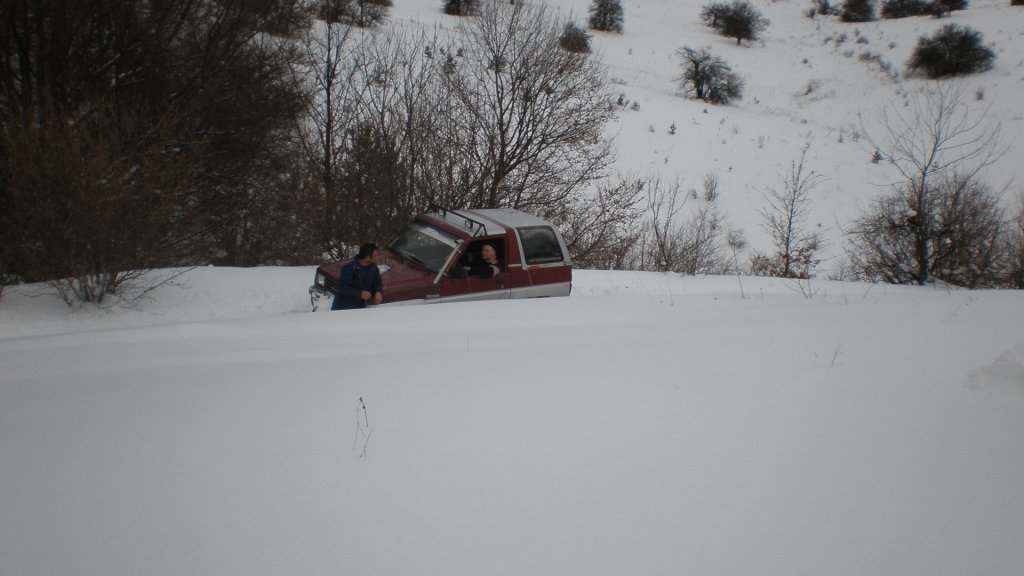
{"x":428,"y":260}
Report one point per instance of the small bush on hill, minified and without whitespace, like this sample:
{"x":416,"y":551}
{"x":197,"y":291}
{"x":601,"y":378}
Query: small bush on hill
{"x":707,"y":77}
{"x":460,"y":7}
{"x":892,"y":9}
{"x":826,"y":8}
{"x":6,"y":280}
{"x":858,"y":11}
{"x":574,"y":39}
{"x":940,"y":8}
{"x":952,"y":51}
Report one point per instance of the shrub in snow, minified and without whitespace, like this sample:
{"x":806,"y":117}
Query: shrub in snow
{"x":574,"y":39}
{"x":951,"y":233}
{"x":940,"y":8}
{"x":460,"y":7}
{"x":707,"y":77}
{"x":892,"y":9}
{"x":952,"y":51}
{"x":1016,"y":2}
{"x":858,"y":11}
{"x":606,"y":16}
{"x":9,"y":280}
{"x":1013,"y":250}
{"x":825,"y":7}
{"x":739,"y":20}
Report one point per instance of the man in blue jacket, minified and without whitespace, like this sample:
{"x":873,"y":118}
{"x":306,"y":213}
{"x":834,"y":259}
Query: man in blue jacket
{"x":359,"y":281}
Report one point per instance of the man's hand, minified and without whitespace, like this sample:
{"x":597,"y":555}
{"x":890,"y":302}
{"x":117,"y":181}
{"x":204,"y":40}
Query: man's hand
{"x":365,"y":295}
{"x":378,"y":298}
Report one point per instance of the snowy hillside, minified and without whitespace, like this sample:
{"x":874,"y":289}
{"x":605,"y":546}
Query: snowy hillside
{"x":807,"y":84}
{"x":648,"y":424}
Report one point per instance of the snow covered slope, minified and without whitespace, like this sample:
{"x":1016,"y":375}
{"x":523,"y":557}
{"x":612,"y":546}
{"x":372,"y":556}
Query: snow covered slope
{"x":818,"y":83}
{"x":648,"y":424}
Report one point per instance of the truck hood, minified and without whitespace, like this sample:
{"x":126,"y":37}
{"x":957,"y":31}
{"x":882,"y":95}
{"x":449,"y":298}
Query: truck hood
{"x":395,"y":271}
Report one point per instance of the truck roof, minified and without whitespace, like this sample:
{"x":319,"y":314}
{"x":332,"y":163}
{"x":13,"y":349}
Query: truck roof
{"x":488,"y":221}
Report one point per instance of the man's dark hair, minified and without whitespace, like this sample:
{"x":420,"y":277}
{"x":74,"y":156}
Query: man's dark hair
{"x":366,"y":250}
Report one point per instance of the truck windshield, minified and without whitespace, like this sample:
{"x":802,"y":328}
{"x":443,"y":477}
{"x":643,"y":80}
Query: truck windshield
{"x":425,"y":245}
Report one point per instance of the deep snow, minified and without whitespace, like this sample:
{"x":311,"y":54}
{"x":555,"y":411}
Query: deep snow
{"x":648,"y":424}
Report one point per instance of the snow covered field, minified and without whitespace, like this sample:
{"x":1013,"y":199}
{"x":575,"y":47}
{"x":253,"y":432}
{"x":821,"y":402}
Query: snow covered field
{"x":648,"y":424}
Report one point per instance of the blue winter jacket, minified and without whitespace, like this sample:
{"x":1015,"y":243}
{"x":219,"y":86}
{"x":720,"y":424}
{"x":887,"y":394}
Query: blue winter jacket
{"x":354,"y":279}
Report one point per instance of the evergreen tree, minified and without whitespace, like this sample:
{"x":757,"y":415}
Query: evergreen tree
{"x":574,"y":39}
{"x":858,"y":11}
{"x":606,"y":16}
{"x":362,"y":13}
{"x":460,"y":7}
{"x":904,"y":8}
{"x":940,"y":8}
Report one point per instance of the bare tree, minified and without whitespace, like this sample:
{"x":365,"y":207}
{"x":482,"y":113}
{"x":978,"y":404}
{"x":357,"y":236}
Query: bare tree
{"x":601,"y":228}
{"x":1013,"y":255}
{"x":531,"y":114}
{"x":738,"y":19}
{"x":328,"y":67}
{"x":969,"y":232}
{"x":785,"y":220}
{"x":962,"y":229}
{"x":936,"y":138}
{"x":502,"y":117}
{"x":94,"y":207}
{"x":678,"y":241}
{"x":220,"y":68}
{"x":401,"y":101}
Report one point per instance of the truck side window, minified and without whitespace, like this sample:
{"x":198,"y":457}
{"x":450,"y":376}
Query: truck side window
{"x":540,"y":245}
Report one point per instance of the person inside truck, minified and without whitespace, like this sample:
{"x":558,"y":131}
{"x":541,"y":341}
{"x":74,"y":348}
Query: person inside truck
{"x":488,"y":264}
{"x":485,"y":264}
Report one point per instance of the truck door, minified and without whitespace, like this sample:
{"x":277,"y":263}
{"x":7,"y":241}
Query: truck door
{"x":471,"y":286}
